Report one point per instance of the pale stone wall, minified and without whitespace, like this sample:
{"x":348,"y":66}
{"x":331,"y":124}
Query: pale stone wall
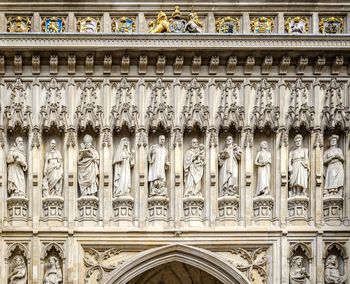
{"x":207,"y":86}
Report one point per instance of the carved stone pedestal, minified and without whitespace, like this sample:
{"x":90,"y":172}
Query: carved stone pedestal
{"x":122,"y":207}
{"x":333,"y":209}
{"x":158,"y":210}
{"x":228,"y":210}
{"x":17,"y":208}
{"x":53,"y":208}
{"x":262,"y":209}
{"x":88,"y":207}
{"x":298,"y":209}
{"x":193,"y":209}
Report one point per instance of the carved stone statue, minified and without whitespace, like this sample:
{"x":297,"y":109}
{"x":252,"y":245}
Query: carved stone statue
{"x":334,"y":159}
{"x":228,"y":162}
{"x":298,"y":168}
{"x":263,"y":161}
{"x":53,"y":172}
{"x":18,"y":274}
{"x":53,"y":274}
{"x":17,"y":165}
{"x":123,"y":161}
{"x":332,"y":273}
{"x":298,"y":273}
{"x":88,"y":167}
{"x":193,"y":25}
{"x":194,"y":167}
{"x":158,"y":164}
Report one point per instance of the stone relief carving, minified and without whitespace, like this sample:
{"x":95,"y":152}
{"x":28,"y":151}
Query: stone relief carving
{"x":18,"y":270}
{"x":334,"y":159}
{"x":123,"y":161}
{"x":17,"y":112}
{"x":228,"y":173}
{"x":332,"y":274}
{"x":297,"y":272}
{"x":53,"y":172}
{"x":195,"y":112}
{"x":123,"y":111}
{"x":53,"y":272}
{"x":298,"y":168}
{"x":158,"y":164}
{"x":263,"y":161}
{"x":194,"y":162}
{"x":297,"y":25}
{"x":159,"y":113}
{"x":53,"y":112}
{"x":17,"y":166}
{"x":265,"y":114}
{"x":300,"y":113}
{"x":335,"y":113}
{"x":89,"y":112}
{"x":230,"y":113}
{"x":193,"y":24}
{"x":88,"y":167}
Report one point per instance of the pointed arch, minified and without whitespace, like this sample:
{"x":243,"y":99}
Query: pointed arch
{"x":197,"y":257}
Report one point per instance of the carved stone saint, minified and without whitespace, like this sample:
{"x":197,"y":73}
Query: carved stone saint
{"x":194,"y":167}
{"x":298,"y":168}
{"x":228,"y":162}
{"x":88,"y":167}
{"x":17,"y":165}
{"x":332,"y":273}
{"x":53,"y":172}
{"x":158,"y":164}
{"x":18,"y":274}
{"x":298,"y":273}
{"x":263,"y":161}
{"x":53,"y":273}
{"x":334,"y":159}
{"x":123,"y":161}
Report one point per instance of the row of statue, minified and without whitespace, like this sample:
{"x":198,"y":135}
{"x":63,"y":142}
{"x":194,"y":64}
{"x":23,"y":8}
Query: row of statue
{"x":194,"y":162}
{"x":298,"y":273}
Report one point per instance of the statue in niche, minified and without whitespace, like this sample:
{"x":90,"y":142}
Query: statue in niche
{"x":263,"y":161}
{"x":332,"y":273}
{"x":53,"y":273}
{"x":298,"y":168}
{"x":334,"y":159}
{"x":123,"y":161}
{"x":88,"y":167}
{"x":17,"y":165}
{"x":193,"y":24}
{"x":228,"y":162}
{"x":158,"y":164}
{"x":53,"y":172}
{"x":18,"y":274}
{"x":297,"y":273}
{"x":194,"y":168}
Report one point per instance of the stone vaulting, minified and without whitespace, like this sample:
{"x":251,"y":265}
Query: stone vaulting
{"x":160,"y":143}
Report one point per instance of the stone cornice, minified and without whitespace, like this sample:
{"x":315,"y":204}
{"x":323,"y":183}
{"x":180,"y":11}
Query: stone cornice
{"x":144,"y":42}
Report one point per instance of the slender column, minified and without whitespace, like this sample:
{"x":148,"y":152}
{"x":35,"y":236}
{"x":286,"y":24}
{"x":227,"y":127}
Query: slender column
{"x":71,"y":23}
{"x":314,"y":29}
{"x":142,"y":23}
{"x":319,"y":259}
{"x":280,"y":23}
{"x":246,"y":23}
{"x":3,"y":26}
{"x":211,"y":22}
{"x":35,"y":260}
{"x":106,"y":23}
{"x":284,"y":258}
{"x":3,"y":166}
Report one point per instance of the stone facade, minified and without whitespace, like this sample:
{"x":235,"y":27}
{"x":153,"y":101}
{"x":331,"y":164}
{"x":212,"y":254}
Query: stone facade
{"x":210,"y":141}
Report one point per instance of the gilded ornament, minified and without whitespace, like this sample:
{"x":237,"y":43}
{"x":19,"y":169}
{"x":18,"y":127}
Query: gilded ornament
{"x":296,"y":25}
{"x":331,"y":25}
{"x":176,"y":24}
{"x":19,"y":24}
{"x":123,"y":25}
{"x":193,"y":24}
{"x":262,"y":25}
{"x":161,"y":25}
{"x":228,"y":25}
{"x":88,"y":24}
{"x":53,"y":24}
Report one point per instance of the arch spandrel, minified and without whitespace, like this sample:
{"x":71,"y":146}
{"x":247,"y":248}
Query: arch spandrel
{"x":197,"y":257}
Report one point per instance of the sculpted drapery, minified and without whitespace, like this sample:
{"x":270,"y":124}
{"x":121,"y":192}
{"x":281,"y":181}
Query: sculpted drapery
{"x":53,"y":172}
{"x":53,"y":274}
{"x":228,"y":162}
{"x":297,"y":273}
{"x":123,"y":161}
{"x":88,"y":168}
{"x":263,"y":161}
{"x":17,"y":165}
{"x":18,"y":275}
{"x":332,"y":273}
{"x":158,"y":163}
{"x":298,"y":168}
{"x":194,"y":166}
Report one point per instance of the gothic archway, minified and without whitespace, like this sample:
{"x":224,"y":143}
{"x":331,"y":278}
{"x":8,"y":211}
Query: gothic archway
{"x":195,"y":257}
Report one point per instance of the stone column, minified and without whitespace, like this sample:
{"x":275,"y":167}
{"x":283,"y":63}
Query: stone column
{"x":71,"y":25}
{"x":106,"y":23}
{"x":142,"y":23}
{"x":316,"y":188}
{"x":36,"y":22}
{"x":280,"y":23}
{"x":246,"y":23}
{"x":3,"y":165}
{"x":319,"y":261}
{"x":211,"y":23}
{"x":3,"y":24}
{"x":346,"y":206}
